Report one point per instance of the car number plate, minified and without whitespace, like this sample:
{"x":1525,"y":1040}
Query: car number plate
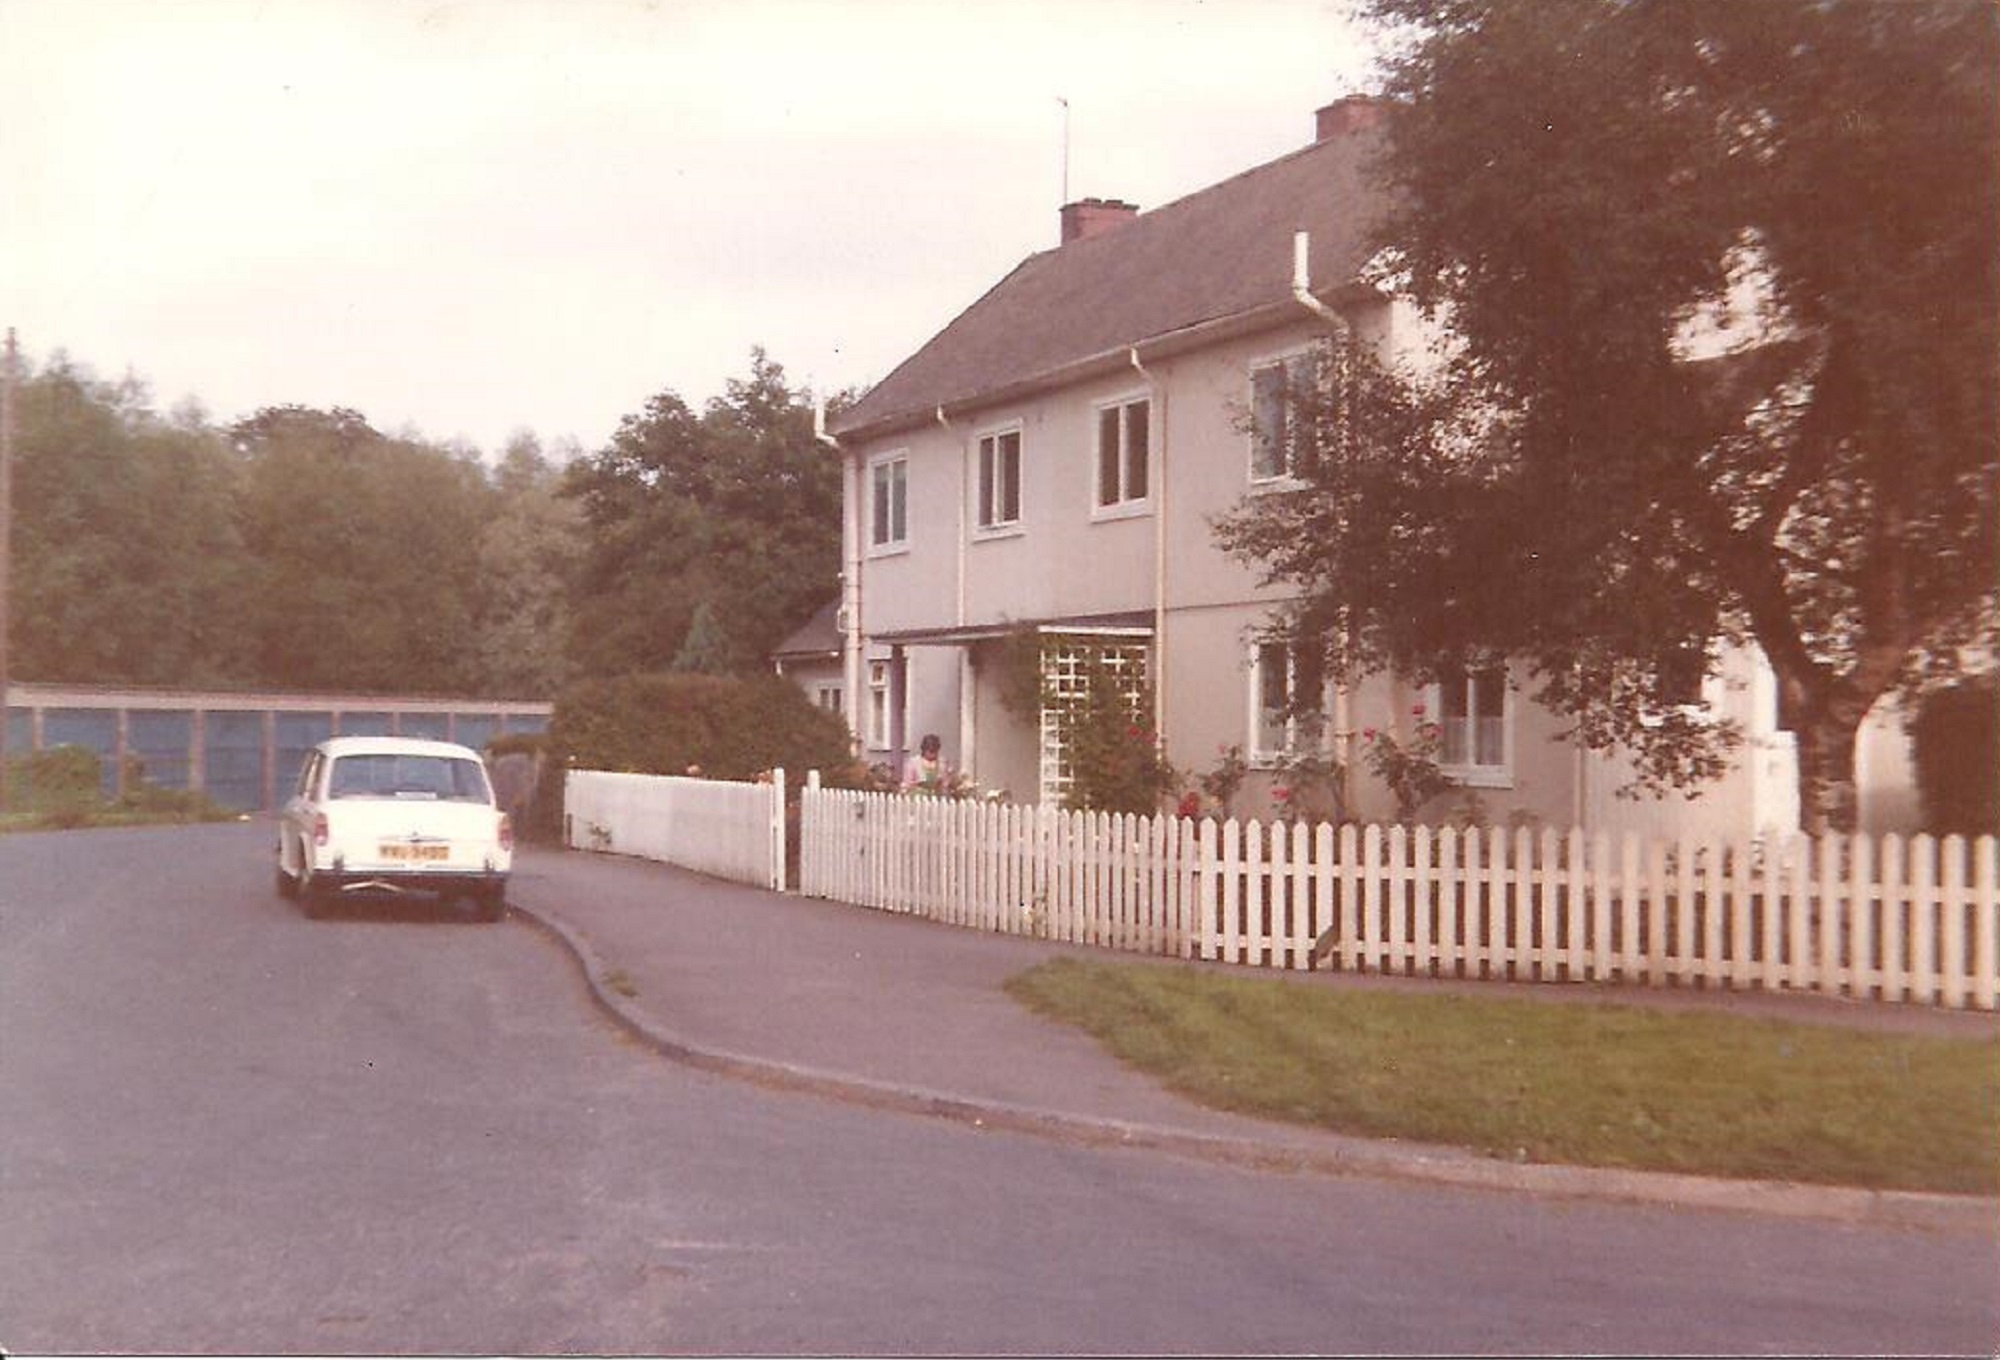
{"x":405,"y":851}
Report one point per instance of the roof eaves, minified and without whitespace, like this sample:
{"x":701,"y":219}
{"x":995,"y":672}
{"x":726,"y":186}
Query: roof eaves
{"x":1210,"y":330}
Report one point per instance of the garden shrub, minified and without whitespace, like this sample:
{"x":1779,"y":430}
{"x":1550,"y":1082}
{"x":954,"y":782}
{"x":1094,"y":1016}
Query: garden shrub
{"x":680,"y":723}
{"x":60,"y":784}
{"x":1954,"y":741}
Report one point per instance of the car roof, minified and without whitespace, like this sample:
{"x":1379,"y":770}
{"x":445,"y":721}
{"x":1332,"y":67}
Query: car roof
{"x":395,"y":746}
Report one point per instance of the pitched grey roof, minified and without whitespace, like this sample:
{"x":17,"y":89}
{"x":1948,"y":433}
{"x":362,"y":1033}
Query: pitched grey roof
{"x":1221,"y":253}
{"x":817,"y":636}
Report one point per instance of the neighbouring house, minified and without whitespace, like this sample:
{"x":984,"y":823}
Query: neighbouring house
{"x":811,"y":658}
{"x":1048,"y":466}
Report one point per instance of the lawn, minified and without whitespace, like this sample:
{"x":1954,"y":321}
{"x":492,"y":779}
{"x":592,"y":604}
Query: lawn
{"x":1598,"y":1085}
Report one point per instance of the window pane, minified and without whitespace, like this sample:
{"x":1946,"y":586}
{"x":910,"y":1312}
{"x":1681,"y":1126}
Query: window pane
{"x":1272,"y":679}
{"x":986,"y":475}
{"x":899,"y":499}
{"x":1452,"y":696}
{"x":1267,"y":387}
{"x":879,"y":522}
{"x":1109,"y":490}
{"x":1454,"y":746}
{"x":1010,"y":473}
{"x":1489,"y":742}
{"x":1489,"y":689}
{"x":1137,"y":441}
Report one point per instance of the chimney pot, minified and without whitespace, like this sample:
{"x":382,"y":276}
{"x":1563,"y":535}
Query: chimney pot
{"x":1089,"y":217}
{"x":1346,"y":116}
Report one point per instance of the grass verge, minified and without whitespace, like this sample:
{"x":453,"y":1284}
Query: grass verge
{"x":1594,"y":1085}
{"x":146,"y":807}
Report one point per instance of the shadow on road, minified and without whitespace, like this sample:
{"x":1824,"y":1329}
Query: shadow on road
{"x":405,"y":908}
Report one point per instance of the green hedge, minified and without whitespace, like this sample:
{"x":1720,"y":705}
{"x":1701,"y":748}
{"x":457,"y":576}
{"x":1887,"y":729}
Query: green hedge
{"x":57,"y":782}
{"x":674,"y":723}
{"x":1955,"y":741}
{"x":62,"y":787}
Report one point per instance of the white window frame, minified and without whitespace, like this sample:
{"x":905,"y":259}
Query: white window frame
{"x":827,"y":694}
{"x":1472,"y":773}
{"x":893,"y":537}
{"x":989,"y":470}
{"x":878,"y":705}
{"x":1122,"y":504}
{"x":1261,"y":756}
{"x":1287,"y":363}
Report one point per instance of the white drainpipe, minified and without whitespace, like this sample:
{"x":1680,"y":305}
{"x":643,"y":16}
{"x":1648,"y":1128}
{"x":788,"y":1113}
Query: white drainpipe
{"x":1157,"y":488}
{"x":968,"y":731}
{"x":852,"y":490}
{"x":1343,"y":721}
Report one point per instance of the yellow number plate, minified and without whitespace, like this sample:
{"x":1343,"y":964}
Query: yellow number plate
{"x":404,"y":850}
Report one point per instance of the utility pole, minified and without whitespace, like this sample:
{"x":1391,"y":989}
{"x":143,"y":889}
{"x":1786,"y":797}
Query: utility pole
{"x":6,"y":538}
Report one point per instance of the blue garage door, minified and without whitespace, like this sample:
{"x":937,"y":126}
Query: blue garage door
{"x":298,"y":733}
{"x":159,"y":743}
{"x":235,"y":758}
{"x":94,"y":729}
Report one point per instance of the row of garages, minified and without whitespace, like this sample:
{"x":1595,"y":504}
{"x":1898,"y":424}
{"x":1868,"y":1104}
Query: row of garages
{"x":243,"y":750}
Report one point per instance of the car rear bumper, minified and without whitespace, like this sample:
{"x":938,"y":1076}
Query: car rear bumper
{"x":448,"y":882}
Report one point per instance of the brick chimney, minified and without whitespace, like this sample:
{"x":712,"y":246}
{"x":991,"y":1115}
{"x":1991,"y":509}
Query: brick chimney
{"x":1089,"y":217}
{"x":1349,"y":115}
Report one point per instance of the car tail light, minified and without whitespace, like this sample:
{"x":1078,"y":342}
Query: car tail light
{"x":506,"y":833}
{"x":321,"y":833}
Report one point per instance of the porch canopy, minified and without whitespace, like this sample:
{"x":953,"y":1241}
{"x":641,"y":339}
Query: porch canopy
{"x":1136,"y":623}
{"x":1128,"y":633}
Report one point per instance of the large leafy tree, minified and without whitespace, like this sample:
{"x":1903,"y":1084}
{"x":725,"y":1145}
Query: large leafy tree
{"x":128,"y":566}
{"x":1725,"y":304}
{"x":528,"y":554}
{"x":708,"y":536}
{"x":368,"y":553}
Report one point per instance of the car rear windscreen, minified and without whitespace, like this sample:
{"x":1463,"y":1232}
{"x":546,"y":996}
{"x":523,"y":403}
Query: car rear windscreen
{"x":409,"y":776}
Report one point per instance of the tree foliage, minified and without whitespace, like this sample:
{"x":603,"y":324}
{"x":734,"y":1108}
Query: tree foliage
{"x":298,"y":548}
{"x":710,"y":536}
{"x":127,"y":557}
{"x":1725,"y":309}
{"x":369,"y":552}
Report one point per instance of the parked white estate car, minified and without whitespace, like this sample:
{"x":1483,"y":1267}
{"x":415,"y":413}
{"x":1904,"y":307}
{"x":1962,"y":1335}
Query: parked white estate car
{"x":386,"y":814}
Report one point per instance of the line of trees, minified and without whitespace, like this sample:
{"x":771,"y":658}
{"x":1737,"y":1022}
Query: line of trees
{"x":303,"y":548}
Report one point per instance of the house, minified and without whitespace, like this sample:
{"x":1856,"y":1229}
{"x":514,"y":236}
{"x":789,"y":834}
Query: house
{"x":811,"y":658}
{"x":1049,"y":465}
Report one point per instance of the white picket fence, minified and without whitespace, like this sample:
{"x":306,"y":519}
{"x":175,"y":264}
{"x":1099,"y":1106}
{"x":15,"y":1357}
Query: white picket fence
{"x":1908,"y":921}
{"x":731,"y":830}
{"x":1122,"y":882}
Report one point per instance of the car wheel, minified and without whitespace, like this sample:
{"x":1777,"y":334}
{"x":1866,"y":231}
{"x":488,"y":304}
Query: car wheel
{"x":288,"y":884}
{"x":315,"y":898}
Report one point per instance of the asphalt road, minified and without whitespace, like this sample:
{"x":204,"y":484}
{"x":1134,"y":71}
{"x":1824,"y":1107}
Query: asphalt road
{"x":230,"y":1129}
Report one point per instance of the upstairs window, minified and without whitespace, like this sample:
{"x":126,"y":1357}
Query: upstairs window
{"x":1124,"y":437}
{"x":1284,"y":433}
{"x":889,"y":502}
{"x":1680,"y":674}
{"x":1000,"y":479}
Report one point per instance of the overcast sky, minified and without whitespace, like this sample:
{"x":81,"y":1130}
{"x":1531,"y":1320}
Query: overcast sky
{"x":475,"y":216}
